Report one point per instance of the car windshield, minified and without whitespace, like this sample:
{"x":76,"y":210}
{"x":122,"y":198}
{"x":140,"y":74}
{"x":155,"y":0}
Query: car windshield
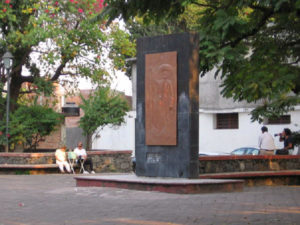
{"x":239,"y":152}
{"x":254,"y":152}
{"x":249,"y":151}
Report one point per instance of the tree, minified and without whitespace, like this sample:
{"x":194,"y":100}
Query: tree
{"x":254,"y":45}
{"x":102,"y":108}
{"x":296,"y":139}
{"x":30,"y":124}
{"x":52,"y":41}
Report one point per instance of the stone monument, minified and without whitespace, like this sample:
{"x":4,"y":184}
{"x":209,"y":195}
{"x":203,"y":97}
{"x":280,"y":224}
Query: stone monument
{"x":167,"y":122}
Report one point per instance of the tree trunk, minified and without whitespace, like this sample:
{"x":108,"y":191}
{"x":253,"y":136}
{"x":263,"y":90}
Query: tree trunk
{"x":88,"y":142}
{"x":15,"y":86}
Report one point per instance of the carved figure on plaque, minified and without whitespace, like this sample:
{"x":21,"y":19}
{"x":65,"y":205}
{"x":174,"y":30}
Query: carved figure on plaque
{"x":164,"y":103}
{"x":161,"y":102}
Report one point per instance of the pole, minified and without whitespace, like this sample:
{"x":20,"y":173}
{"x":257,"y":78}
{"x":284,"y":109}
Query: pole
{"x":7,"y":109}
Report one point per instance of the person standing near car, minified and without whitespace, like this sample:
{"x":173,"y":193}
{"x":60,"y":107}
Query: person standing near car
{"x":266,"y":142}
{"x":288,"y":145}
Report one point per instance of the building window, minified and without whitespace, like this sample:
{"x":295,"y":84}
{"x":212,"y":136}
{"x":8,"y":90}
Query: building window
{"x":285,"y":119}
{"x":227,"y":121}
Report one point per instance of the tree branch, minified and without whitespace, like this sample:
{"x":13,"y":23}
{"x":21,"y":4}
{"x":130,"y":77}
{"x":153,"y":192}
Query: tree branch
{"x":59,"y":71}
{"x":29,"y":79}
{"x":264,"y":9}
{"x":252,"y":32}
{"x":204,"y":5}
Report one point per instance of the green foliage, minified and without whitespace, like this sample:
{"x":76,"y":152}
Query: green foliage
{"x":296,"y":138}
{"x":23,"y":172}
{"x":102,"y":108}
{"x":29,"y":124}
{"x":2,"y":123}
{"x":55,"y":41}
{"x":253,"y":44}
{"x":43,"y":86}
{"x":2,"y":103}
{"x":282,"y":105}
{"x":122,"y":47}
{"x":2,"y":135}
{"x":150,"y":10}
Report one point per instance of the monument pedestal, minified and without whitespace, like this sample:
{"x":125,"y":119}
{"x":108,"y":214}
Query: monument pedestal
{"x":168,"y":185}
{"x":167,"y":123}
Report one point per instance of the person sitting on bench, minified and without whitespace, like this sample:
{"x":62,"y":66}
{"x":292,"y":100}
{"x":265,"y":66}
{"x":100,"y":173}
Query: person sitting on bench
{"x":288,"y":145}
{"x":266,"y":142}
{"x":61,"y":159}
{"x":81,"y":155}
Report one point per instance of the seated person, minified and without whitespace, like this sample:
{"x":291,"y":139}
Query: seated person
{"x":266,"y":142}
{"x":81,"y":155}
{"x":61,"y":159}
{"x":286,"y":138}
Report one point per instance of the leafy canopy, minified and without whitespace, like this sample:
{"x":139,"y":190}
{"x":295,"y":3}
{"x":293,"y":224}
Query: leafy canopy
{"x":103,"y":107}
{"x":54,"y":41}
{"x":254,"y":45}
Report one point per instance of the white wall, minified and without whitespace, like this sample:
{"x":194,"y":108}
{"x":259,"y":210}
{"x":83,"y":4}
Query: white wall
{"x":116,"y":138}
{"x":211,"y":140}
{"x":226,"y":140}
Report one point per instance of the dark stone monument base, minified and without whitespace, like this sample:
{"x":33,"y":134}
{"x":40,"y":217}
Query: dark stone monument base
{"x":167,"y":123}
{"x":169,"y":185}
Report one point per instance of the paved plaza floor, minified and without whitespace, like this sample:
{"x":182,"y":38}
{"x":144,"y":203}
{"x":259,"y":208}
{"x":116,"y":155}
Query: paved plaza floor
{"x":55,"y":200}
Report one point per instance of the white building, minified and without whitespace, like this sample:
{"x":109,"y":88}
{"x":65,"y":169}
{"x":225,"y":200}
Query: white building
{"x":224,"y":125}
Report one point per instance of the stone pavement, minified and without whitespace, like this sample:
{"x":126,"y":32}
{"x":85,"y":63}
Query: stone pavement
{"x":54,"y":200}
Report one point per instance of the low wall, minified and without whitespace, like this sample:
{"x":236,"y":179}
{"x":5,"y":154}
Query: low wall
{"x":224,"y":164}
{"x":111,"y":161}
{"x":104,"y":161}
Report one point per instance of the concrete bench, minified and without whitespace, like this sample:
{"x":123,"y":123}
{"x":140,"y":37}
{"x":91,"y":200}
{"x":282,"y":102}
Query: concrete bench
{"x":28,"y":168}
{"x":32,"y":168}
{"x":282,"y":177}
{"x":104,"y":161}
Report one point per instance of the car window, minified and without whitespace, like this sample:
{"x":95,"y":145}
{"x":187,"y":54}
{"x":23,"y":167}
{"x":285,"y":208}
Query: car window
{"x":255,"y":152}
{"x":249,"y":151}
{"x":252,"y":151}
{"x":239,"y":151}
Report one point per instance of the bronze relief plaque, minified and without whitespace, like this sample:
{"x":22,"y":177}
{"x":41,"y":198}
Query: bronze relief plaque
{"x":161,"y":98}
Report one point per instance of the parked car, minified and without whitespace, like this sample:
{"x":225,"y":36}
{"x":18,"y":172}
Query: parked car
{"x":245,"y":151}
{"x":212,"y":153}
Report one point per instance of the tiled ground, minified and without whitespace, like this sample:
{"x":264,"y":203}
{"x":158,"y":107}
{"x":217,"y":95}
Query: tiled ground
{"x":54,"y":200}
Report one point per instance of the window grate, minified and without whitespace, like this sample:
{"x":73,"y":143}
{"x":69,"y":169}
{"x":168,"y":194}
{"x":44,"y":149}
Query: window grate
{"x":227,"y":121}
{"x":285,"y":119}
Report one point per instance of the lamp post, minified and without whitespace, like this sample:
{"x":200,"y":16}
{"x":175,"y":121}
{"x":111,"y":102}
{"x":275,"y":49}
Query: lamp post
{"x":7,"y":59}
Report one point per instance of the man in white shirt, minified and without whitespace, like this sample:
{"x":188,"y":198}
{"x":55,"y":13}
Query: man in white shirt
{"x":81,"y":155}
{"x":266,"y":142}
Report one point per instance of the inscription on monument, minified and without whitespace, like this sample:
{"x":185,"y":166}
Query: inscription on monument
{"x":153,"y":157}
{"x":161,"y":98}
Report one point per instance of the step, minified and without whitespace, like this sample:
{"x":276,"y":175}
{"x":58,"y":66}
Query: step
{"x":169,"y":185}
{"x":282,"y":177}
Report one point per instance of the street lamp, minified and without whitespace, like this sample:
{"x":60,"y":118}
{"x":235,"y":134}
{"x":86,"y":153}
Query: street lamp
{"x":7,"y":59}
